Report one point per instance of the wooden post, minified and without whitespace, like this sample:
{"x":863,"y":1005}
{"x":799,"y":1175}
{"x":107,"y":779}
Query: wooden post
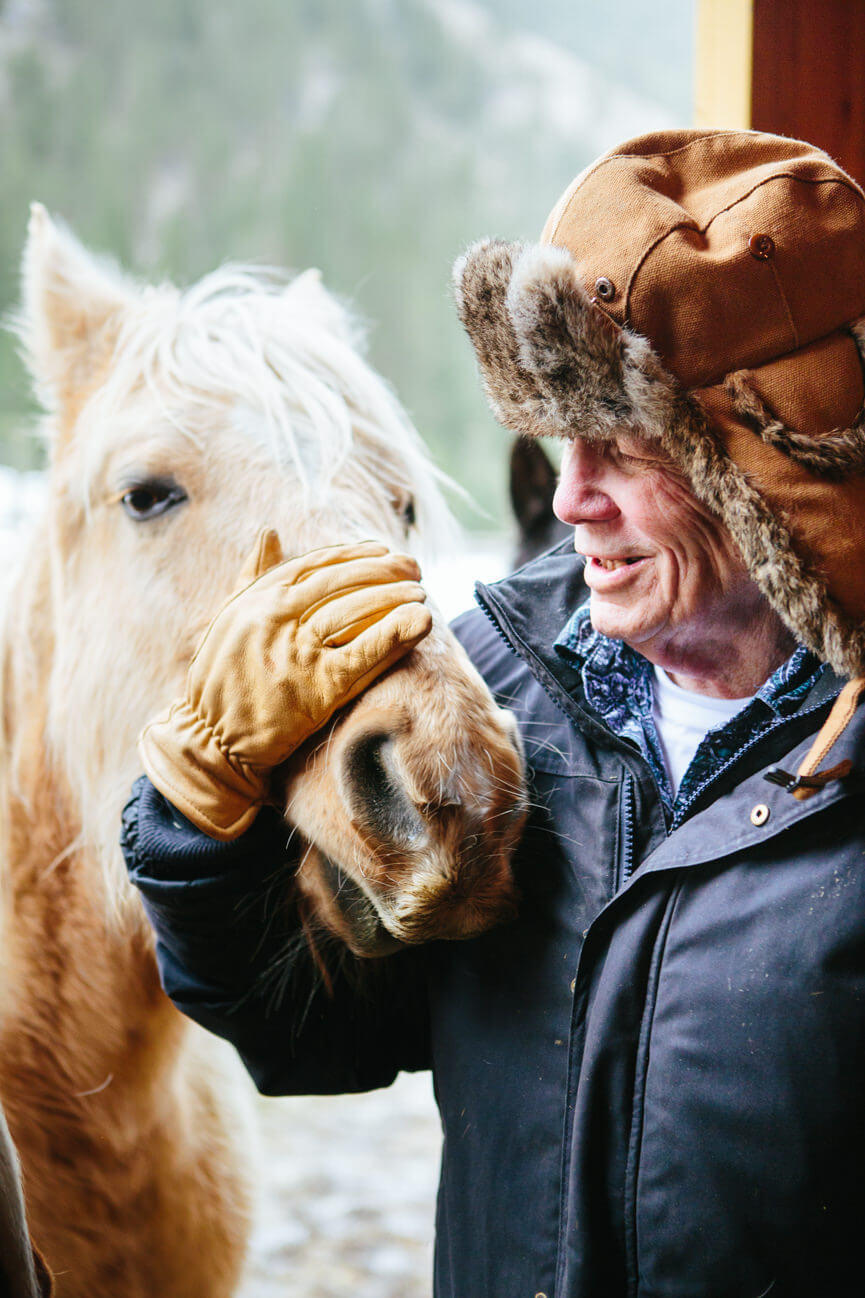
{"x":795,"y":67}
{"x":722,"y":85}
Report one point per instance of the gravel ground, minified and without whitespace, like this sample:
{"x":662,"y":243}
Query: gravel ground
{"x":348,"y":1199}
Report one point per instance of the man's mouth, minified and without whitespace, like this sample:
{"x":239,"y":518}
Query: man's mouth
{"x":610,"y":565}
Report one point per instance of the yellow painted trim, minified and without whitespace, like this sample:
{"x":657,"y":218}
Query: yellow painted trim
{"x":724,"y":61}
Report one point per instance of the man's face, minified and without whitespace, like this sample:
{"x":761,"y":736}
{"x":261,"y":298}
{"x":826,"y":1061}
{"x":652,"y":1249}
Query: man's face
{"x":664,"y":574}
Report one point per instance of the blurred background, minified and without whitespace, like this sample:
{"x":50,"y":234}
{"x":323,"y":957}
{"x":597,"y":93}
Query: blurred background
{"x":371,"y":138}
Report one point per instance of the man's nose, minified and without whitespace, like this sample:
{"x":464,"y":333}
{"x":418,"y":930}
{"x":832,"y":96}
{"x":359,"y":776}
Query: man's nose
{"x":582,"y":494}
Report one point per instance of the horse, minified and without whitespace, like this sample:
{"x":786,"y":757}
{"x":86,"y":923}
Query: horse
{"x":179,"y":423}
{"x":532,"y":483}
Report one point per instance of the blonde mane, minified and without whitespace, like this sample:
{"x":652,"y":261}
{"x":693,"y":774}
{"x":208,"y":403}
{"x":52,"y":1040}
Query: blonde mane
{"x":290,"y":354}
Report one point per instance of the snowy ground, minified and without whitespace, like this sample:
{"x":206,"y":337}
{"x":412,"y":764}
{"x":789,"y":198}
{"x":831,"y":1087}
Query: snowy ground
{"x":349,"y":1195}
{"x":348,"y":1182}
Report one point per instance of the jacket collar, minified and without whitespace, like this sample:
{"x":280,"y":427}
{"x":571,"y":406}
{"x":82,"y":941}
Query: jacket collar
{"x":530,"y":607}
{"x":755,"y":810}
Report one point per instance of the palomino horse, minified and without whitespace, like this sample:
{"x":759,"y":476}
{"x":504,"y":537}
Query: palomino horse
{"x":179,"y":424}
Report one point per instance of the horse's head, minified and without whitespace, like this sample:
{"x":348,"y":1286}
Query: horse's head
{"x":180,"y":423}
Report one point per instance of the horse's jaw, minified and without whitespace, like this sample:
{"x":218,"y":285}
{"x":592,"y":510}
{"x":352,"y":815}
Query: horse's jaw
{"x":344,"y":907}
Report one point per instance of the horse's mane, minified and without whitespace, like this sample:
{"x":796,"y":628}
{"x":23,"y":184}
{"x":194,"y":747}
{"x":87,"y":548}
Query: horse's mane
{"x":289,"y":353}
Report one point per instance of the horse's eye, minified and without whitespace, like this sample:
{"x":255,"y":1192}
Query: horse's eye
{"x":149,"y":499}
{"x":409,"y":516}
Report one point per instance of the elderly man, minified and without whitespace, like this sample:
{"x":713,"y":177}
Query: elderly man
{"x":652,"y":1083}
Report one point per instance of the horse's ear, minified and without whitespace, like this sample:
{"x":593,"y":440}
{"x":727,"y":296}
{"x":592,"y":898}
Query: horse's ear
{"x":533,"y":481}
{"x":315,"y":303}
{"x":71,"y":311}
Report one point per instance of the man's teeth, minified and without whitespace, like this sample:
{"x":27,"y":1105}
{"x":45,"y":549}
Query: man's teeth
{"x":612,"y":564}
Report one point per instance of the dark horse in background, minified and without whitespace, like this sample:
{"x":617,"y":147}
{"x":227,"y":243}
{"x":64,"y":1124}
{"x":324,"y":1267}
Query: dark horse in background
{"x":532,"y":485}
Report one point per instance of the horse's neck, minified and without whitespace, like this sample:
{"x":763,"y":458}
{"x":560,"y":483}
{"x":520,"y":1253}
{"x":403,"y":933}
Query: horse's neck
{"x":55,"y":918}
{"x":37,"y":811}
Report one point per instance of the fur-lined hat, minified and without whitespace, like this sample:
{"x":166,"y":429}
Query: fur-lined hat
{"x":707,"y":290}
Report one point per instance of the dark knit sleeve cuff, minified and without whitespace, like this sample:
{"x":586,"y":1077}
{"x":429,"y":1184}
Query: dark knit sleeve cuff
{"x":159,"y":843}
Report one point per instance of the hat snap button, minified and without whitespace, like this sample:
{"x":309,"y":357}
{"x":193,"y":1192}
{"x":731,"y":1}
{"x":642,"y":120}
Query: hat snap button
{"x":761,"y":246}
{"x":605,"y":289}
{"x":759,"y":814}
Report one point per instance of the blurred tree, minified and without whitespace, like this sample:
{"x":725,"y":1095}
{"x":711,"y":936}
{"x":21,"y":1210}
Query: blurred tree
{"x":374,"y":140}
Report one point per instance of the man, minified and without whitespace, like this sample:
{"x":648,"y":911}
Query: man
{"x":652,"y":1082}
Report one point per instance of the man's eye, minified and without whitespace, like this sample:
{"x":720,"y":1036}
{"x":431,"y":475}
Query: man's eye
{"x":634,"y":457}
{"x":149,"y":499}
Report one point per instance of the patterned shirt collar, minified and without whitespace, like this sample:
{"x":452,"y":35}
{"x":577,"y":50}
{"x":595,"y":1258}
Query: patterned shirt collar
{"x":618,"y":686}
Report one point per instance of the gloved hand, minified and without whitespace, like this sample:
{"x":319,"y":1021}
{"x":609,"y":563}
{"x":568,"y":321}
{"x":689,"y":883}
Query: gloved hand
{"x":287,"y":649}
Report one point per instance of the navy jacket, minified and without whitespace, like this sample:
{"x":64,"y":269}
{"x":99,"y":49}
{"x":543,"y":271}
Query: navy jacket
{"x":652,"y":1083}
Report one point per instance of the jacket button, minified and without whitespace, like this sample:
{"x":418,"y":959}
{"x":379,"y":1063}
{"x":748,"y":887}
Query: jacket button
{"x":605,"y":289}
{"x":760,"y":246}
{"x":759,"y":814}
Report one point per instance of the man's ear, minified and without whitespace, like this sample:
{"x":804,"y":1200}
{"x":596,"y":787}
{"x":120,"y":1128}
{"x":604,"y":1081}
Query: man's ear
{"x":71,"y":311}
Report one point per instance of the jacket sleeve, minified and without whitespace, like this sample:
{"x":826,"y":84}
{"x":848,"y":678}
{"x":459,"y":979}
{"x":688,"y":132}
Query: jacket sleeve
{"x":232,"y":956}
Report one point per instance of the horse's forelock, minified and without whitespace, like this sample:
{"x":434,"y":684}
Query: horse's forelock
{"x":284,"y":359}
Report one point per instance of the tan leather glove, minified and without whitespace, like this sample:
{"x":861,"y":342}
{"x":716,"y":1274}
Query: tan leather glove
{"x":275,"y":663}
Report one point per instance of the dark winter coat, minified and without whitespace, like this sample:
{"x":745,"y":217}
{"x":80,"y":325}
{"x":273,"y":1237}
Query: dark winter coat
{"x":652,"y":1084}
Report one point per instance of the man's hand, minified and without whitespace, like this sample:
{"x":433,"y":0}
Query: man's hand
{"x":297,"y":641}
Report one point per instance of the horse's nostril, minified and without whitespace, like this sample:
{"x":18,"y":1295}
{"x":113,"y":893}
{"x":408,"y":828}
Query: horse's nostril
{"x":374,"y":791}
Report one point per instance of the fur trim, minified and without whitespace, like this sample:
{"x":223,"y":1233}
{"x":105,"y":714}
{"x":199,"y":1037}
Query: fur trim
{"x":554,"y":364}
{"x":481,"y":278}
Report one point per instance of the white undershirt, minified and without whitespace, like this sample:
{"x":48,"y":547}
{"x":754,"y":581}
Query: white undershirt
{"x":683,"y":719}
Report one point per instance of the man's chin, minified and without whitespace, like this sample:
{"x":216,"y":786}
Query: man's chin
{"x":617,"y":622}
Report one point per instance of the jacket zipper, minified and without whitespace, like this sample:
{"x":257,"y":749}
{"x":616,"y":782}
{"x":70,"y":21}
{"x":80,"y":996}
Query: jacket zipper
{"x":621,"y":745}
{"x":627,"y":850}
{"x":627,"y":853}
{"x":626,"y":866}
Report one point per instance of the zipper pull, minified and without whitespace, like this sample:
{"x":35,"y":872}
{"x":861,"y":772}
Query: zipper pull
{"x":792,"y":783}
{"x":808,"y":779}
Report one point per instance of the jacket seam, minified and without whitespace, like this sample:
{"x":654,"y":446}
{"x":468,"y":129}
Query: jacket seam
{"x":576,"y":1029}
{"x":641,"y":1068}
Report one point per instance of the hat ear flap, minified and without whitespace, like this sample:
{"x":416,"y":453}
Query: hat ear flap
{"x":552,"y":363}
{"x":480,"y":283}
{"x":572,"y":349}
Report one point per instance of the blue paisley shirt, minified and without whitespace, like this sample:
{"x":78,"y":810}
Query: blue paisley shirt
{"x":617,"y":682}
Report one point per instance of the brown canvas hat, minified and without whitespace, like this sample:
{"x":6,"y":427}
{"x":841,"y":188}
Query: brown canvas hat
{"x":706,"y":289}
